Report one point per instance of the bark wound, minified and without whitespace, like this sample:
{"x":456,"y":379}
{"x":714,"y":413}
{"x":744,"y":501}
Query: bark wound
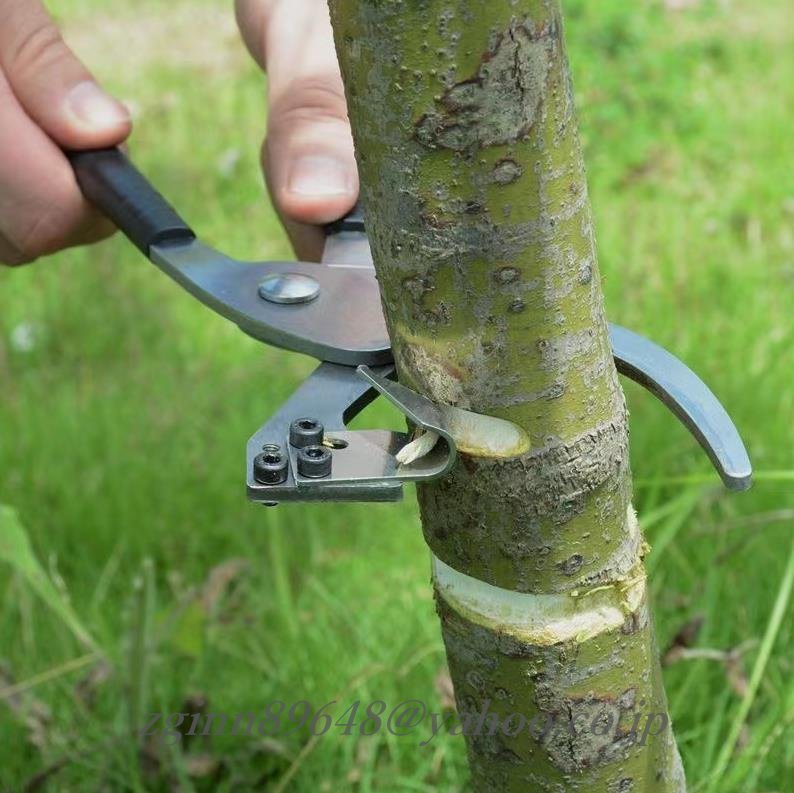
{"x":498,"y":105}
{"x":435,"y":373}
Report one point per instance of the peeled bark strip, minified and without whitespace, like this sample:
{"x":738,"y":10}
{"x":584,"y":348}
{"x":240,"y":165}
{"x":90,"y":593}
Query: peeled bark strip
{"x":474,"y":185}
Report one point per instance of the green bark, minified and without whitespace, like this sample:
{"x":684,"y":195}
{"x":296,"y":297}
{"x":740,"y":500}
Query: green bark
{"x":474,"y":186}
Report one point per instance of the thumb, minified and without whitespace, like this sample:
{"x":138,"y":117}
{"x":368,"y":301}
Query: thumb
{"x":51,"y":84}
{"x":309,"y":158}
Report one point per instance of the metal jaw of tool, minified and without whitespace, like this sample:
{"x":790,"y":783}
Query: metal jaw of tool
{"x":305,"y":452}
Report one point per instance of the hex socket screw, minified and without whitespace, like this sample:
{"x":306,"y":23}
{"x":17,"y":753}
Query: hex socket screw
{"x":306,"y":432}
{"x":271,"y":466}
{"x":315,"y":462}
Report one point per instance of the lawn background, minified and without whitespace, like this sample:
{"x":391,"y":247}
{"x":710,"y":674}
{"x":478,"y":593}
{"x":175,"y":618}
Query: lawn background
{"x":125,"y":407}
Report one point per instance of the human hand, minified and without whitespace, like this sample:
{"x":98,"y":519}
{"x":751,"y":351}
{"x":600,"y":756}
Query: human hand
{"x":310,"y":168}
{"x":48,"y":100}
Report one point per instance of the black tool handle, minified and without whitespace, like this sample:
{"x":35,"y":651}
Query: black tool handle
{"x":353,"y":221}
{"x":119,"y":190}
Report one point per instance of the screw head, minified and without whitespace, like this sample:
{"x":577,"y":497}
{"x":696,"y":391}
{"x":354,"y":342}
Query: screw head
{"x":306,"y":432}
{"x":288,"y":288}
{"x":314,"y":462}
{"x":271,"y":466}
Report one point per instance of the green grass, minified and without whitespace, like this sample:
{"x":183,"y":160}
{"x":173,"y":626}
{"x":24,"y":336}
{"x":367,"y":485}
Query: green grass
{"x":123,"y":426}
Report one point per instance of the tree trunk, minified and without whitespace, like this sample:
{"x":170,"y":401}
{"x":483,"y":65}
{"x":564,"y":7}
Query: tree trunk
{"x":474,"y":187}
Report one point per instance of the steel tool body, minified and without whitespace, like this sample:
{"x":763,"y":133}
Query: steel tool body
{"x":332,"y":312}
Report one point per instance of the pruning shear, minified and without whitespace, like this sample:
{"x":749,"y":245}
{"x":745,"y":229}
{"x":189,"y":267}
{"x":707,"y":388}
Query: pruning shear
{"x":333,"y":313}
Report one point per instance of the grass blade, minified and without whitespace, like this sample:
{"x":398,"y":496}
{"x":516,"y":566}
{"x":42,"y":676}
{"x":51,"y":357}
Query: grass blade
{"x":768,"y":642}
{"x":15,"y":550}
{"x":682,"y":508}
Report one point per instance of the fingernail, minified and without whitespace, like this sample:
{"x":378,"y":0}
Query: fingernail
{"x":92,"y":107}
{"x":319,"y":175}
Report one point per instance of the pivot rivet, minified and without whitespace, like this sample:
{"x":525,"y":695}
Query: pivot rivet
{"x":289,"y":288}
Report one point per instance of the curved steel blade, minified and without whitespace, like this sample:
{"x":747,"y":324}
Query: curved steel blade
{"x":689,"y":398}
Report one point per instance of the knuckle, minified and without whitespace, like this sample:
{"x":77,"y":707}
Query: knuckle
{"x":42,"y":46}
{"x":44,"y":233}
{"x":310,"y":99}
